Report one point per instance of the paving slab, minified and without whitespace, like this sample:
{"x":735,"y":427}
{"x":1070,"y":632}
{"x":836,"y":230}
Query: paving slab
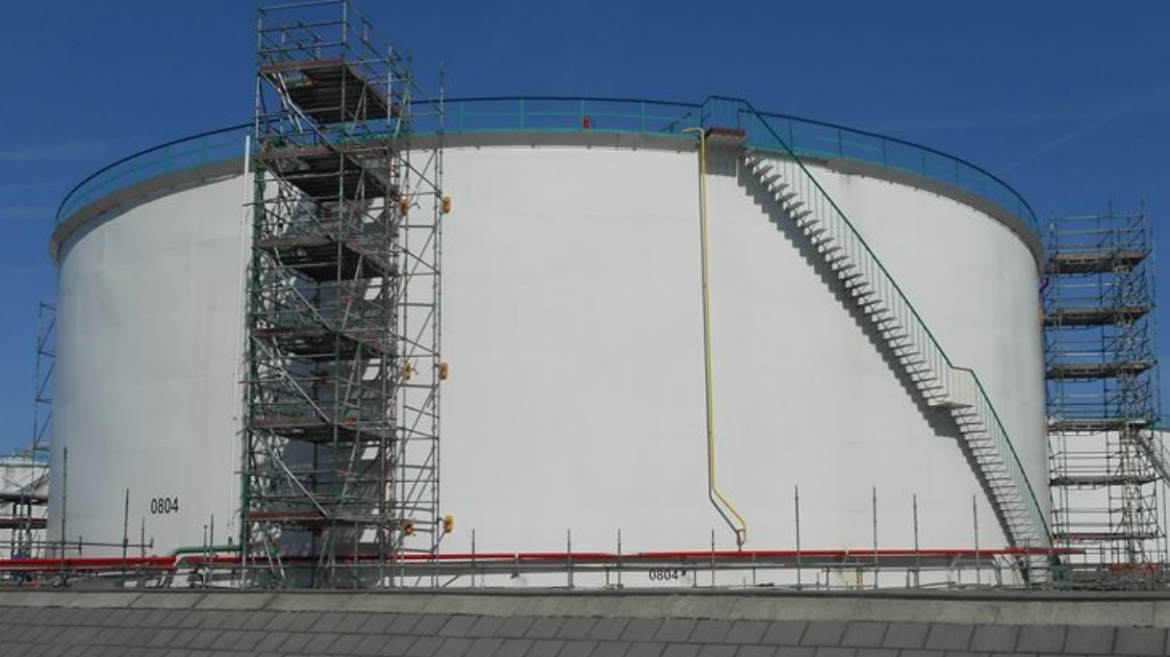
{"x":864,"y":634}
{"x":1045,"y":639}
{"x":235,"y":601}
{"x":824,"y":633}
{"x":545,"y":648}
{"x":1140,"y":641}
{"x":167,"y":600}
{"x":1090,"y":640}
{"x":746,"y":632}
{"x":995,"y":638}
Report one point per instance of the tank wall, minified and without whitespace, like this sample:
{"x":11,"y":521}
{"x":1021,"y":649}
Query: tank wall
{"x":147,"y":392}
{"x":572,"y":322}
{"x":577,"y":394}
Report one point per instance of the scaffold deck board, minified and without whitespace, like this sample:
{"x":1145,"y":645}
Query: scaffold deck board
{"x":1096,"y":370}
{"x":1096,"y":425}
{"x":320,"y":343}
{"x":309,"y":518}
{"x":322,"y":257}
{"x":325,"y":173}
{"x":330,"y":90}
{"x":1096,"y":537}
{"x":35,"y":499}
{"x":1099,"y":481}
{"x":1095,"y":262}
{"x":1094,"y":316}
{"x":22,"y":522}
{"x":319,"y":430}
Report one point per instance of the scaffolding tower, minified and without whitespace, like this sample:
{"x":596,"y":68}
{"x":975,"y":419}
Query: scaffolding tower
{"x":1106,"y":455}
{"x":341,"y":452}
{"x":24,"y":494}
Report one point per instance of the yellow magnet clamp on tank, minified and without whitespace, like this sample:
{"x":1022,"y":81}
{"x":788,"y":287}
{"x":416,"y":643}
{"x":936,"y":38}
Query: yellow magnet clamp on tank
{"x":444,"y":370}
{"x":446,"y":205}
{"x":448,"y":524}
{"x":407,"y":371}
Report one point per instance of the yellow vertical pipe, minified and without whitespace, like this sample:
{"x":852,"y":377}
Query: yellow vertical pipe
{"x":739,"y":526}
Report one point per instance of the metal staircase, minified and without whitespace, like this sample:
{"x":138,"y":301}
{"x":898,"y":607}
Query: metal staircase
{"x":941,"y":383}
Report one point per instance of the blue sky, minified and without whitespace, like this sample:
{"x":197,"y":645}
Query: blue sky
{"x":1068,"y":101}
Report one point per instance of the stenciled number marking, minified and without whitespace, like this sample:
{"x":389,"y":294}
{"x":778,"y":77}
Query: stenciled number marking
{"x":164,"y":505}
{"x":666,"y":574}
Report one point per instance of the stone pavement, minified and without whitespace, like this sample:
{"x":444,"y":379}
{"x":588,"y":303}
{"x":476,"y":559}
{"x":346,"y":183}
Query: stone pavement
{"x":579,"y":624}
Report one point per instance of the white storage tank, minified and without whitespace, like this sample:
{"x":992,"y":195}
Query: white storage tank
{"x":572,"y":321}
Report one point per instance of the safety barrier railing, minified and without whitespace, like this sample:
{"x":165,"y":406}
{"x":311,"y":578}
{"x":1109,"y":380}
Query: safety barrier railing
{"x":806,"y":137}
{"x":213,"y":147}
{"x":834,"y":142}
{"x":554,"y":114}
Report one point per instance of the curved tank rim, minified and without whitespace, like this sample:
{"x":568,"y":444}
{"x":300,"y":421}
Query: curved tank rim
{"x":495,"y":116}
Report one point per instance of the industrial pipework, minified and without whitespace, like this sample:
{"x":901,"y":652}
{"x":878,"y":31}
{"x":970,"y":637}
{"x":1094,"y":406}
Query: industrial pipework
{"x":721,"y":504}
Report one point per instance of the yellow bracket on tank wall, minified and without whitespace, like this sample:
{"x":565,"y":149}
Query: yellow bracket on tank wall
{"x":726,"y":510}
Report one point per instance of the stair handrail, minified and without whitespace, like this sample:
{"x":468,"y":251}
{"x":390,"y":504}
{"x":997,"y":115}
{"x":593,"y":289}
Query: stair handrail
{"x":1156,"y":453}
{"x":986,"y":399}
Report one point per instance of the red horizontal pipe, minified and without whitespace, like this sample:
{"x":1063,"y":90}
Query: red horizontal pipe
{"x":731,"y":554}
{"x":173,"y":562}
{"x":101,"y":563}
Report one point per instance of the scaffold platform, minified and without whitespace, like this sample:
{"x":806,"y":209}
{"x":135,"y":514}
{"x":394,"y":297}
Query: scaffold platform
{"x":322,"y":257}
{"x":329,"y":172}
{"x":1096,"y":370}
{"x":1094,"y":261}
{"x":330,"y":90}
{"x":1095,"y":316}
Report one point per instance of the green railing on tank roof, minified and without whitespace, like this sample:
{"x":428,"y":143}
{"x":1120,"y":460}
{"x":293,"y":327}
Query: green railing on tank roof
{"x":214,"y":147}
{"x":806,"y":137}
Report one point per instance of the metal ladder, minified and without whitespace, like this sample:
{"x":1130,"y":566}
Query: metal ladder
{"x":941,"y":384}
